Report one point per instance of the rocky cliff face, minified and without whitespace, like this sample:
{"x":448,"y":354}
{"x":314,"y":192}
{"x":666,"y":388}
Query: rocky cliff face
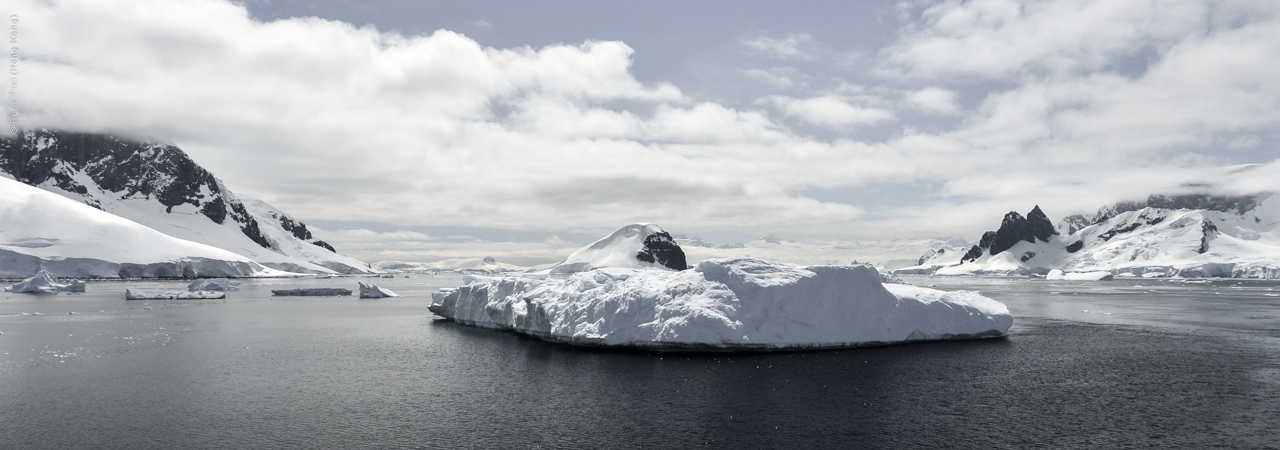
{"x":160,"y":186}
{"x":93,"y":164}
{"x":1013,"y":229}
{"x":661,"y":248}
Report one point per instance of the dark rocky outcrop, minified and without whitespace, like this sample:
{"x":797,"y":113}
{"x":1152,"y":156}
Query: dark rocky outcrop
{"x":1036,"y":226}
{"x":121,"y":168}
{"x":1075,"y":246}
{"x":324,"y":245}
{"x":974,"y":253}
{"x":1209,"y":231}
{"x":661,"y":248}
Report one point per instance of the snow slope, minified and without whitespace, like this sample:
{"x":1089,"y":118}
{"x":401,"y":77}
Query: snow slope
{"x":739,"y":303}
{"x":635,"y":246}
{"x":45,"y":231}
{"x":1240,"y":239}
{"x":159,"y":186}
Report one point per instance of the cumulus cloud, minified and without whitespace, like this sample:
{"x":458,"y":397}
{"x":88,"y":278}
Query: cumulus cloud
{"x":796,"y":45}
{"x":935,"y":100}
{"x":830,"y":111}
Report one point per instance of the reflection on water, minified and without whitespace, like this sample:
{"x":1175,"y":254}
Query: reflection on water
{"x":1182,"y":366}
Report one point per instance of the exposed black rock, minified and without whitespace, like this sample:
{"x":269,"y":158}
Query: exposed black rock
{"x":1075,"y":246}
{"x":298,"y":229}
{"x":490,"y":260}
{"x":661,"y":248}
{"x":988,"y":238}
{"x":124,"y":169}
{"x":1209,"y":231}
{"x":1040,"y":225}
{"x":324,"y":245}
{"x":974,"y":253}
{"x":1149,"y":217}
{"x":1013,"y":229}
{"x":1027,"y":256}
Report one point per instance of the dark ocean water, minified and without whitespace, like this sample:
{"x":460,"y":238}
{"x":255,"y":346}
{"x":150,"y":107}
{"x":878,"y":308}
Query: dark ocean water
{"x":1124,"y":364}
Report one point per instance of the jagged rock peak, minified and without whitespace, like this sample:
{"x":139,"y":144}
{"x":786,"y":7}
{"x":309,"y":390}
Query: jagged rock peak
{"x":1014,"y":228}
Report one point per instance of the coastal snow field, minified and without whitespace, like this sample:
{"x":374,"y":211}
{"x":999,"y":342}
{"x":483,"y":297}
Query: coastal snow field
{"x":46,"y":231}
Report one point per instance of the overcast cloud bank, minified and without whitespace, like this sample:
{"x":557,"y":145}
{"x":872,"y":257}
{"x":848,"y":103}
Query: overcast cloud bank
{"x":1085,"y":103}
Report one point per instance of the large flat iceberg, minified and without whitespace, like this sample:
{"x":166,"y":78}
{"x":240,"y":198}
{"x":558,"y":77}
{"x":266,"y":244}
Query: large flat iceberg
{"x":736,"y":303}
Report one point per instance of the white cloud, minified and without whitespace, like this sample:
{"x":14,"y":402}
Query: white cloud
{"x":935,"y":100}
{"x":1000,"y":38}
{"x":327,"y":120}
{"x":795,"y":45}
{"x":830,"y":111}
{"x":481,"y":24}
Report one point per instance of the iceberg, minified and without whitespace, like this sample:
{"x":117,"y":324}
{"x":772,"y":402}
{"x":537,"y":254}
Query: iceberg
{"x":213,"y":284}
{"x":129,"y":294}
{"x":45,"y":282}
{"x":1058,"y":274}
{"x":313,"y":292}
{"x":732,"y":303}
{"x":372,"y":291}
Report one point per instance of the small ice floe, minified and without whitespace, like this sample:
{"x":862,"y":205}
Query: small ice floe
{"x":45,"y":282}
{"x":372,"y":291}
{"x":312,"y":292}
{"x":388,"y":276}
{"x":148,"y":308}
{"x":213,"y":284}
{"x":1058,"y":274}
{"x":129,"y":294}
{"x":1094,"y":312}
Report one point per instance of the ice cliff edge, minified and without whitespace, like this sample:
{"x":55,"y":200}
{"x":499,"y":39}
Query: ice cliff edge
{"x":733,"y":303}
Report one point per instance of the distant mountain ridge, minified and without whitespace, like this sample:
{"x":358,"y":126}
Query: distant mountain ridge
{"x":1182,"y":235}
{"x":160,"y":186}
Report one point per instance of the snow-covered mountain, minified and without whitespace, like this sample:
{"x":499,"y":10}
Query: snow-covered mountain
{"x":635,"y":246}
{"x":159,"y":186}
{"x":45,"y":231}
{"x":486,"y":264}
{"x":1183,"y":235}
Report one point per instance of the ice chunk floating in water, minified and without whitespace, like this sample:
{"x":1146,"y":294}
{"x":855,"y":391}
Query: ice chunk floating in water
{"x":45,"y":282}
{"x":129,"y":294}
{"x":736,"y":303}
{"x":313,"y":292}
{"x":214,"y":284}
{"x":372,"y":291}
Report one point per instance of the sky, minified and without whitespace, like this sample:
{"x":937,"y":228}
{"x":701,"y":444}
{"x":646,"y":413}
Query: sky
{"x":515,"y":129}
